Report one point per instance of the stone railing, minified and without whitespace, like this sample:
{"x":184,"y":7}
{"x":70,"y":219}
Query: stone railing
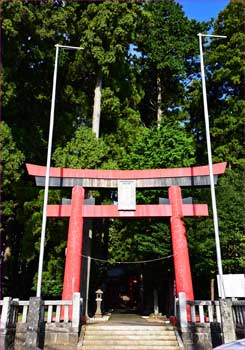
{"x":197,"y":311}
{"x":55,"y":311}
{"x":204,"y":311}
{"x":55,"y":321}
{"x":23,"y":306}
{"x":238,"y":309}
{"x":205,"y":324}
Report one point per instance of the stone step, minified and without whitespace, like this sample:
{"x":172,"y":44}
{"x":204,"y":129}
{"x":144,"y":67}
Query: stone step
{"x":129,"y":327}
{"x":138,"y":331}
{"x":129,"y":337}
{"x":130,"y":347}
{"x":118,"y":332}
{"x":121,"y":336}
{"x":128,"y":342}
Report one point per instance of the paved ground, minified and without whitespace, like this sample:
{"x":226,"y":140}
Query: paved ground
{"x":60,"y":347}
{"x":130,"y":319}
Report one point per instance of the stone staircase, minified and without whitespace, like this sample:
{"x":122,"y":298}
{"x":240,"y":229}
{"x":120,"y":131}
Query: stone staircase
{"x":129,"y":337}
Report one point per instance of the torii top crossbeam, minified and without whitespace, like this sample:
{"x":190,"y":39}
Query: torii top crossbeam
{"x":152,"y":178}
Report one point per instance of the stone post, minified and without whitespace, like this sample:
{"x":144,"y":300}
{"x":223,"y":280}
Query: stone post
{"x":4,"y":338}
{"x":182,"y":311}
{"x":5,"y":312}
{"x":155,"y":296}
{"x":98,"y":299}
{"x":228,"y":326}
{"x":185,"y":330}
{"x":76,"y":311}
{"x":34,"y":324}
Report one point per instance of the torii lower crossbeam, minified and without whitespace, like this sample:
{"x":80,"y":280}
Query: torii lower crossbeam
{"x":142,"y":211}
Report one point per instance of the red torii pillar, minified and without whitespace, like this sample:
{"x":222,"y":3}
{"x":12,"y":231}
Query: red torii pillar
{"x":179,"y":244}
{"x":73,"y":263}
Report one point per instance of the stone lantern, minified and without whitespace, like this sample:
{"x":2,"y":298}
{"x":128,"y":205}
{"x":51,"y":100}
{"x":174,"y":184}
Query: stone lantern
{"x":98,"y":299}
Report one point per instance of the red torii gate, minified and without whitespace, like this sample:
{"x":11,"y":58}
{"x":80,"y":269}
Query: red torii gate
{"x":78,"y":211}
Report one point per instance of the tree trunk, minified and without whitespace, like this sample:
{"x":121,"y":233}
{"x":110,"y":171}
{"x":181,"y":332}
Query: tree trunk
{"x":159,"y":101}
{"x":97,"y":106}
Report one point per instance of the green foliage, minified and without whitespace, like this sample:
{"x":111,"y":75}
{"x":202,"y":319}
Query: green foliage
{"x":165,"y":41}
{"x":52,"y":277}
{"x":231,"y":224}
{"x":108,"y":29}
{"x":138,"y":240}
{"x":227,"y":85}
{"x":11,"y":170}
{"x":10,"y":167}
{"x":83,"y":151}
{"x":167,"y":146}
{"x":30,"y":31}
{"x":225,"y":75}
{"x":11,"y":158}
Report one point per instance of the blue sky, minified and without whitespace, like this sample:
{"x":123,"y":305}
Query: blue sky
{"x":202,"y":10}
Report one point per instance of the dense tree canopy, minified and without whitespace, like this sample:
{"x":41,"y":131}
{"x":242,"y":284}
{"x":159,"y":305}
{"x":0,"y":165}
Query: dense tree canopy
{"x":142,"y":57}
{"x":226,"y":84}
{"x":11,"y":168}
{"x":167,"y":49}
{"x":224,"y":74}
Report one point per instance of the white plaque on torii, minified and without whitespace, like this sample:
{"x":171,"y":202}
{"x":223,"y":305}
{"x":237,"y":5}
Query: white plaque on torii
{"x":126,"y":194}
